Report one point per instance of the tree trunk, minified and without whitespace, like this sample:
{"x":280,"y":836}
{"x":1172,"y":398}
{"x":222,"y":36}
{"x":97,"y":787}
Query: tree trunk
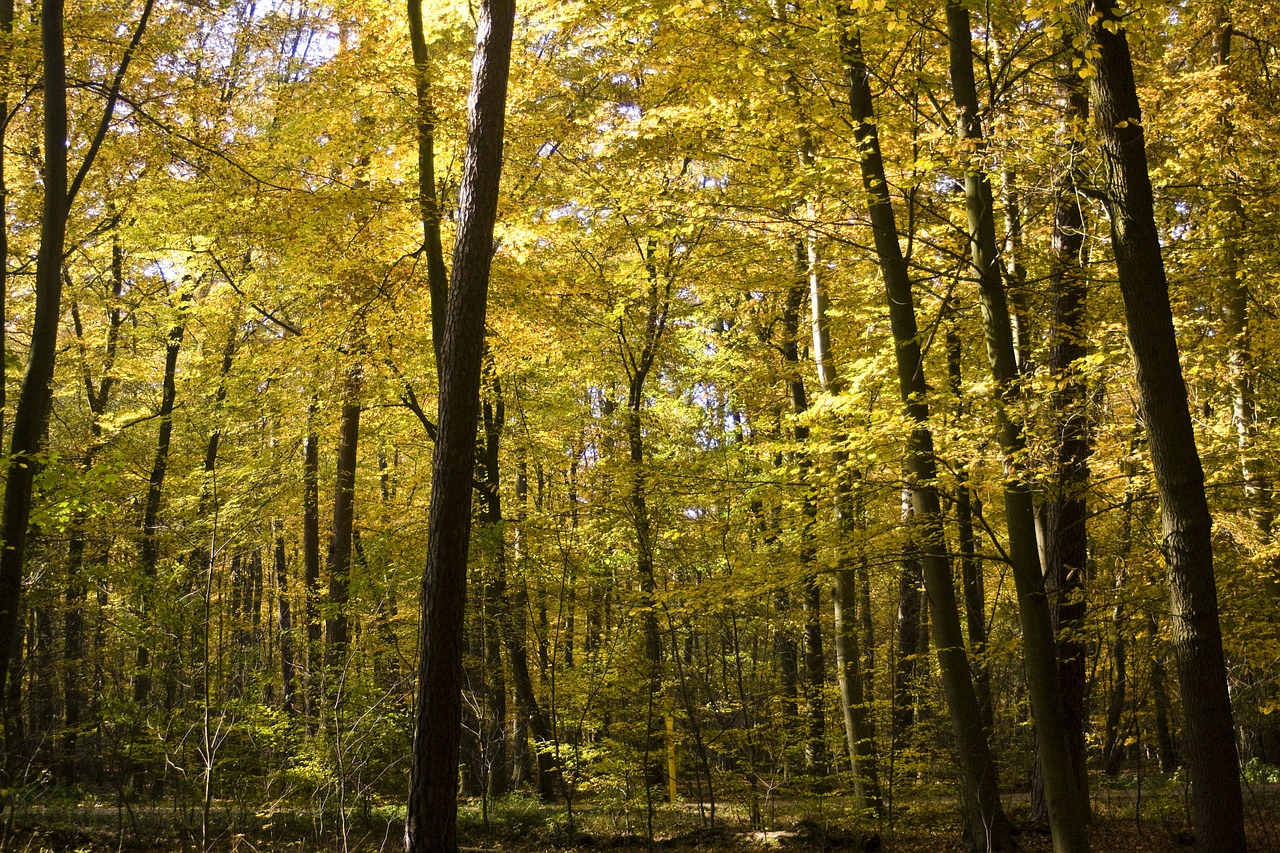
{"x":98,"y":395}
{"x":972,"y":581}
{"x":988,"y":827}
{"x":150,"y":554}
{"x":859,"y":740}
{"x":284,"y":627}
{"x":493,"y":535}
{"x":432,"y":815}
{"x":35,"y":396}
{"x":1066,"y":542}
{"x":338,"y":562}
{"x":907,"y":637}
{"x":1066,"y":805}
{"x":428,"y":200}
{"x":1213,"y":763}
{"x":311,"y":562}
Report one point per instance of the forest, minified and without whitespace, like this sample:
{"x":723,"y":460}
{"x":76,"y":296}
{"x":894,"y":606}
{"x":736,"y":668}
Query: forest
{"x":654,"y":424}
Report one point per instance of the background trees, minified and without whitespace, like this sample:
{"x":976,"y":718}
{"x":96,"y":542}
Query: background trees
{"x":673,"y":485}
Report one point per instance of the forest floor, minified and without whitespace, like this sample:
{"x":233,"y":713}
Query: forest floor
{"x":1124,"y":823}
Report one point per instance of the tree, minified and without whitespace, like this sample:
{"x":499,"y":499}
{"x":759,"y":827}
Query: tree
{"x":1212,"y":759}
{"x":432,"y":816}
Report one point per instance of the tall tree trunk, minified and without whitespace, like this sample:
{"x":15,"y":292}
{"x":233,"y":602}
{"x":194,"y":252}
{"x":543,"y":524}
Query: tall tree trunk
{"x":988,"y":827}
{"x":518,"y":654}
{"x":813,"y":684}
{"x":311,"y":562}
{"x":338,"y":562}
{"x":972,"y":581}
{"x":493,"y":535}
{"x":432,"y":816}
{"x":1065,"y":801}
{"x":284,"y":627}
{"x":1212,"y":759}
{"x":6,"y":64}
{"x":1066,"y":542}
{"x":98,"y":395}
{"x":428,"y":200}
{"x":36,"y":395}
{"x":150,"y":553}
{"x":859,"y":740}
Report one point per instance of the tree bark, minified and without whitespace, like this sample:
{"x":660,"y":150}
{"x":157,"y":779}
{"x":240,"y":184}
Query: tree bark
{"x":150,"y":553}
{"x":493,"y":535}
{"x":971,"y":579}
{"x":284,"y":628}
{"x":35,"y":396}
{"x":311,"y":561}
{"x":1064,"y":799}
{"x":988,"y":827}
{"x":1065,"y":512}
{"x":432,"y":815}
{"x":428,"y":200}
{"x":338,"y":562}
{"x":1212,"y":760}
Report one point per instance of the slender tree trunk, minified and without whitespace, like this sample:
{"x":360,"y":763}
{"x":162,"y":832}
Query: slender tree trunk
{"x":6,"y":63}
{"x":338,"y":562}
{"x":972,"y":581}
{"x":77,"y":590}
{"x":35,"y":396}
{"x":428,"y":199}
{"x":905,"y":678}
{"x":813,"y":683}
{"x":518,"y":655}
{"x":150,"y":553}
{"x":311,"y":561}
{"x":987,"y":825}
{"x":1212,"y":759}
{"x":859,"y":740}
{"x":284,"y":628}
{"x":1065,"y":512}
{"x":493,"y":534}
{"x":431,"y":823}
{"x":1067,"y":819}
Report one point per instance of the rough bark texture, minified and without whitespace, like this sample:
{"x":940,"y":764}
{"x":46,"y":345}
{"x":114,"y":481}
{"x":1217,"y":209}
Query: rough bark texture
{"x":338,"y":562}
{"x":35,"y":396}
{"x":150,"y":554}
{"x":975,"y":594}
{"x":1212,"y":760}
{"x":432,"y":815}
{"x":1066,"y":542}
{"x":1066,"y":813}
{"x":493,"y":537}
{"x":988,"y":827}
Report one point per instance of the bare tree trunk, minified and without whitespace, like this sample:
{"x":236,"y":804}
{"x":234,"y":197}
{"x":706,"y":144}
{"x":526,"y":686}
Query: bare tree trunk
{"x":338,"y":562}
{"x":1065,"y":801}
{"x":1064,"y":510}
{"x":493,"y":535}
{"x":972,"y":581}
{"x":35,"y":397}
{"x":311,"y":562}
{"x":1212,"y":759}
{"x":150,"y":554}
{"x":987,"y":825}
{"x":284,"y":627}
{"x":431,"y":823}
